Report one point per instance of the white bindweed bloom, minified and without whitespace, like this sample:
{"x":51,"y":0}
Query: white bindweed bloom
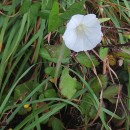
{"x":83,"y":32}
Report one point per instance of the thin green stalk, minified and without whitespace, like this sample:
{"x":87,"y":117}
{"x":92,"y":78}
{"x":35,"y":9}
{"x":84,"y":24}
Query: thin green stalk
{"x":19,"y":35}
{"x":11,"y":90}
{"x":5,"y":24}
{"x":25,"y":100}
{"x":45,"y":116}
{"x":40,"y":40}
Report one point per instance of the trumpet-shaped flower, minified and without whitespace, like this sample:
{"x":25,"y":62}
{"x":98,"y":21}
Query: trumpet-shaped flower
{"x":83,"y":32}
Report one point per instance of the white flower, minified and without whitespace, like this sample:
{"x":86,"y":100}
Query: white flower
{"x":83,"y":32}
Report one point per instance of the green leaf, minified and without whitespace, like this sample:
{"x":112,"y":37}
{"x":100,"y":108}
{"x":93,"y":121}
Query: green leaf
{"x":54,"y":20}
{"x":50,"y":93}
{"x":44,"y":14}
{"x":22,"y":90}
{"x":41,"y":97}
{"x":95,"y":85}
{"x":67,"y":84}
{"x":52,"y":53}
{"x":78,"y":85}
{"x":34,"y":12}
{"x":1,"y":21}
{"x":102,"y":20}
{"x":11,"y":100}
{"x":56,"y":124}
{"x":51,"y":71}
{"x":46,"y":8}
{"x":47,"y":4}
{"x":25,"y":6}
{"x":85,"y":61}
{"x":76,"y":8}
{"x":87,"y":106}
{"x":103,"y":53}
{"x":6,"y":7}
{"x":110,"y":93}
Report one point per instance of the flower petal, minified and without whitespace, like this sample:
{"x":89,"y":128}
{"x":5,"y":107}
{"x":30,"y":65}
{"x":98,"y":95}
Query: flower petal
{"x":79,"y":46}
{"x":75,"y":21}
{"x":90,"y":20}
{"x":94,"y":35}
{"x":88,"y":45}
{"x":69,"y":38}
{"x":82,"y":44}
{"x":95,"y":26}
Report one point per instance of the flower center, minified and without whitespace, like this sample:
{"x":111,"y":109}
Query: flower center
{"x":80,"y":28}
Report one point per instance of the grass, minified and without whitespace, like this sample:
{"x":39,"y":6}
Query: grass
{"x":34,"y":63}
